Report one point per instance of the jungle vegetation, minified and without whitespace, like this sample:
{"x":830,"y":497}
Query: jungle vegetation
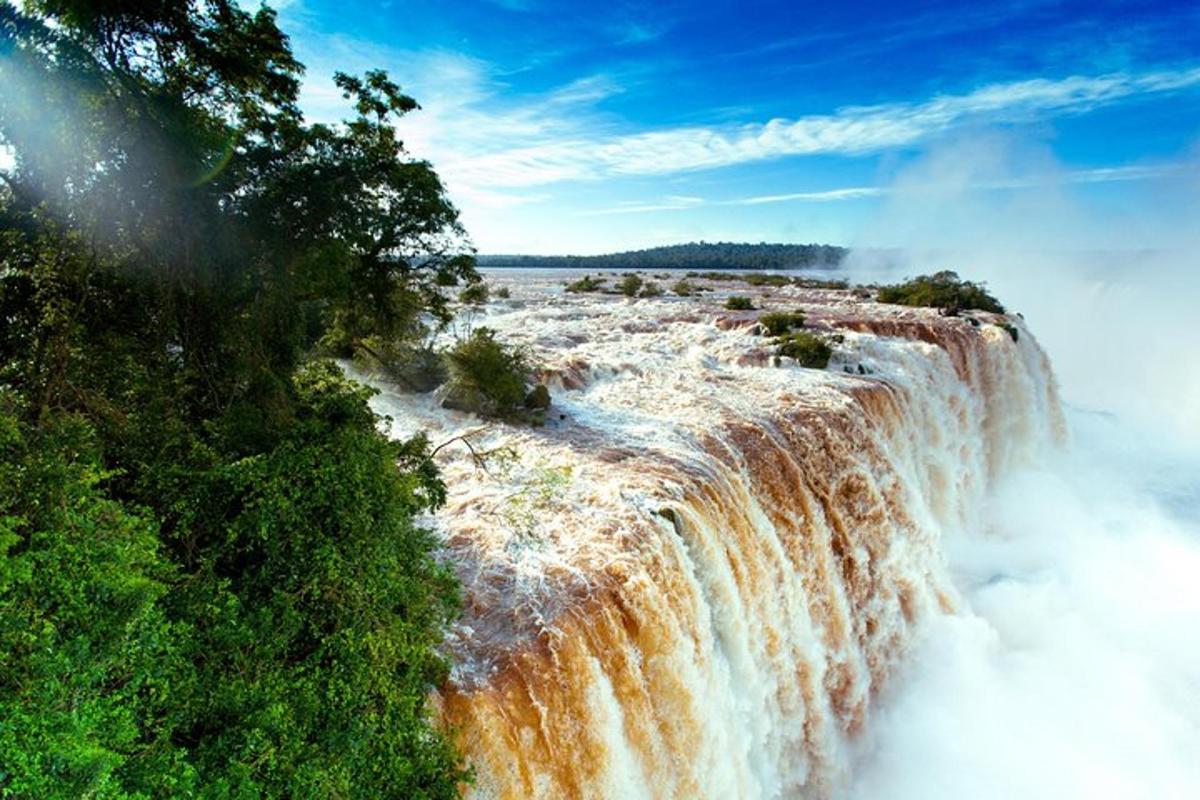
{"x":211,"y":581}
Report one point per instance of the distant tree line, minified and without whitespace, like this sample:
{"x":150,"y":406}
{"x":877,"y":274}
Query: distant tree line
{"x":694,"y":255}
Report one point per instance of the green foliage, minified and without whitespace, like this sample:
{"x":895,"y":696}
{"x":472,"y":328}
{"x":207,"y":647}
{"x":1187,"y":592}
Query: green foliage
{"x":820,"y":283}
{"x":767,"y":280}
{"x":1011,"y":330}
{"x":210,"y":579}
{"x":586,"y":284}
{"x":650,"y":289}
{"x":170,"y":196}
{"x":683,"y":288}
{"x":778,"y":323}
{"x":92,"y":669}
{"x":503,"y":293}
{"x":630,"y":285}
{"x":486,"y":377}
{"x":941,"y":290}
{"x":739,"y":303}
{"x":476,"y":294}
{"x":322,"y":607}
{"x":808,"y":349}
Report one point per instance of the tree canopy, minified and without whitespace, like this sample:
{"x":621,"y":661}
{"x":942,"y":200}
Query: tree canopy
{"x":694,"y":255}
{"x":943,"y":290}
{"x":210,"y":578}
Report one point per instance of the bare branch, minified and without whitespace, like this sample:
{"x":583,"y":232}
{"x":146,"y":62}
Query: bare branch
{"x":479,"y":458}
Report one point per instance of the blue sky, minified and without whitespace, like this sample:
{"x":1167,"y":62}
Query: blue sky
{"x":592,"y":127}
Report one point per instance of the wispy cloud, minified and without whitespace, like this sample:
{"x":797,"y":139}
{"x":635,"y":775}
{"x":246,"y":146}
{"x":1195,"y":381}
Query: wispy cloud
{"x":468,"y":110}
{"x":849,"y":131}
{"x":1135,"y":172}
{"x":641,"y":33}
{"x":668,"y":203}
{"x":501,"y":147}
{"x":850,"y":193}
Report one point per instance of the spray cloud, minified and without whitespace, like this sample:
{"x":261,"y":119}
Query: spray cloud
{"x":1071,"y":672}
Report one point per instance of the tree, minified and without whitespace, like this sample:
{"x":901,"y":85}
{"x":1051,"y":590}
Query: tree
{"x":486,"y":377}
{"x":91,"y":665}
{"x":177,"y":246}
{"x":322,"y":607}
{"x":194,"y":177}
{"x":943,"y":290}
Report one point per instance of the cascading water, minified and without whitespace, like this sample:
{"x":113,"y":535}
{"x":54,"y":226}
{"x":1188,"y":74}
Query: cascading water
{"x":694,"y":579}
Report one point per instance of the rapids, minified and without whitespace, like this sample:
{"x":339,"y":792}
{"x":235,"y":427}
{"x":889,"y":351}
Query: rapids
{"x":693,"y":580}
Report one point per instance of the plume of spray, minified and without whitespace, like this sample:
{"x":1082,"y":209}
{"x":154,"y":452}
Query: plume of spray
{"x":1109,"y":287}
{"x":1071,"y":671}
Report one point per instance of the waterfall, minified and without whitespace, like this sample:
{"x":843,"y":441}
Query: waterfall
{"x":694,"y":582}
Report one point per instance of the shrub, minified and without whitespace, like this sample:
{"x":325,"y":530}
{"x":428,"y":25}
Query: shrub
{"x":1012,"y":330}
{"x":630,"y":285}
{"x":764,"y":279}
{"x":778,"y":323}
{"x":503,"y":293}
{"x":683,"y":288}
{"x":476,"y":294}
{"x":739,"y":303}
{"x":486,"y":377}
{"x":809,"y":350}
{"x":586,"y":284}
{"x":941,"y":290}
{"x":819,"y":283}
{"x":650,"y":289}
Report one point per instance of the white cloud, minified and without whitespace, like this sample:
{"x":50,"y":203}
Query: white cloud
{"x":849,"y":131}
{"x":668,"y":203}
{"x":498,"y":200}
{"x":641,"y":33}
{"x":849,"y":193}
{"x":1133,"y":172}
{"x":499,"y":150}
{"x":467,"y":111}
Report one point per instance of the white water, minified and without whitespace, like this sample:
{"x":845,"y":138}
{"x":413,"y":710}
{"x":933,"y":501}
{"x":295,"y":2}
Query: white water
{"x":1073,"y":667}
{"x":825,"y":539}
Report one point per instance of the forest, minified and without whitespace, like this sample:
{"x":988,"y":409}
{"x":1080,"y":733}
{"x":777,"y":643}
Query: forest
{"x":693,"y":256}
{"x":211,"y":581}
